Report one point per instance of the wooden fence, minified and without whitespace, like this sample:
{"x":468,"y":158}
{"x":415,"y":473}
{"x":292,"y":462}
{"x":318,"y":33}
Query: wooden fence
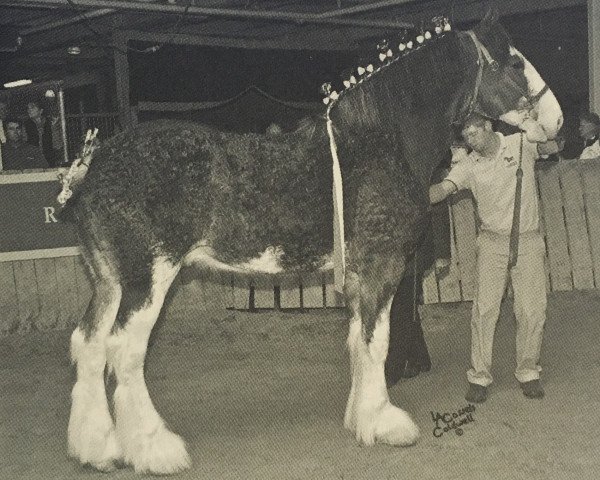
{"x":44,"y":293}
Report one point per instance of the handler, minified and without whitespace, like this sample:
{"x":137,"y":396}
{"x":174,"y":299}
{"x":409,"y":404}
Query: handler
{"x":489,"y":172}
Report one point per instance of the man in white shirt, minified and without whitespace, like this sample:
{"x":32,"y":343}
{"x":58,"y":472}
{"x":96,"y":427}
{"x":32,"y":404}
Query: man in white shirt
{"x":489,"y":171}
{"x":589,"y":130}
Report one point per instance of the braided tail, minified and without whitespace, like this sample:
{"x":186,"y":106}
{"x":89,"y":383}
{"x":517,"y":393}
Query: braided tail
{"x":76,"y":173}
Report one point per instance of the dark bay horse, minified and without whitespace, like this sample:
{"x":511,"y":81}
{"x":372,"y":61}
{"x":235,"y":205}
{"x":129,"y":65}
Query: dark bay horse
{"x":168,"y":194}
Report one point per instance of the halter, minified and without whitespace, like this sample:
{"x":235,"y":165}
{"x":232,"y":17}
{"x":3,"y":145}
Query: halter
{"x":484,"y":57}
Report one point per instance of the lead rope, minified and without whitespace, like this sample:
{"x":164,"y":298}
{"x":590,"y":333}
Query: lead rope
{"x":415,"y":285}
{"x":513,"y":249}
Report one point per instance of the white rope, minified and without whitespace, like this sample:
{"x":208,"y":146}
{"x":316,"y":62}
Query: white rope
{"x":339,"y":253}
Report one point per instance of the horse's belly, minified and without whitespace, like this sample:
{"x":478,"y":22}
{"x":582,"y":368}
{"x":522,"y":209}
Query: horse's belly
{"x":203,"y":256}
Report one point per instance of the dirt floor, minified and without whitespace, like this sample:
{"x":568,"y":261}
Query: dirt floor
{"x":262,"y":396}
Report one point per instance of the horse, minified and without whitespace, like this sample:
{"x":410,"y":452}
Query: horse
{"x":167,"y":195}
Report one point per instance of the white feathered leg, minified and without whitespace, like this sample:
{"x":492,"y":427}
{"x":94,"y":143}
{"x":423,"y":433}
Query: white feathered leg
{"x":369,"y":413}
{"x":148,"y":445}
{"x":91,"y":433}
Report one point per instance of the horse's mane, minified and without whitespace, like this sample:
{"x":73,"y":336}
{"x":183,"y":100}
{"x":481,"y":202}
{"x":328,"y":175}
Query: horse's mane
{"x":414,"y":81}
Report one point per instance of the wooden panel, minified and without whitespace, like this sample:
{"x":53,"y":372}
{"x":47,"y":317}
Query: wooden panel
{"x":591,"y":192}
{"x":68,"y":299}
{"x":45,"y":273}
{"x":430,"y":287}
{"x":579,"y":245}
{"x":264,"y":295}
{"x":27,"y":290}
{"x":9,"y":311}
{"x":312,"y":290}
{"x":556,"y":234}
{"x":241,"y":293}
{"x":465,"y":233}
{"x":543,"y":233}
{"x":333,"y":299}
{"x":289,"y":292}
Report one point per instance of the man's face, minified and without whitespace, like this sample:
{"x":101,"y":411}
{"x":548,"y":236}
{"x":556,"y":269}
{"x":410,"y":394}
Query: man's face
{"x":13,"y":132}
{"x":587,"y":130}
{"x":476,"y":136}
{"x":33,"y":110}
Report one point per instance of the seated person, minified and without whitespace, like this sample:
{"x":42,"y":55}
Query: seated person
{"x":16,"y":154}
{"x":589,"y":131}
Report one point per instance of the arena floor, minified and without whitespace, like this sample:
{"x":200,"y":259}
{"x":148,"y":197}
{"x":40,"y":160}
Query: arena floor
{"x":262,"y":396}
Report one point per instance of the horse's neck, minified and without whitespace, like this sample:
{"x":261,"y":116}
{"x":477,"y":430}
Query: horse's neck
{"x":425,"y":143}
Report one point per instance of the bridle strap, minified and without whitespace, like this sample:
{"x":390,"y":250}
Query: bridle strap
{"x":482,"y":54}
{"x":533,"y":99}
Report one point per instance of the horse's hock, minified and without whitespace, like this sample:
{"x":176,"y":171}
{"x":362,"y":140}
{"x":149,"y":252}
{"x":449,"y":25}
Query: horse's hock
{"x":52,"y":292}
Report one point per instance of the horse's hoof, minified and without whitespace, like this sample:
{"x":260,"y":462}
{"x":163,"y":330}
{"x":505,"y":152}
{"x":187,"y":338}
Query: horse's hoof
{"x":389,"y":424}
{"x":161,"y":453}
{"x":395,"y":427}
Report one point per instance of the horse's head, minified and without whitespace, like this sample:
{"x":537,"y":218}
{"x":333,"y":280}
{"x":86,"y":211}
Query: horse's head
{"x":508,"y":87}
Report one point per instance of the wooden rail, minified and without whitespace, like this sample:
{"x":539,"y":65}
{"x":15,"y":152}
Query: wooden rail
{"x":45,"y":293}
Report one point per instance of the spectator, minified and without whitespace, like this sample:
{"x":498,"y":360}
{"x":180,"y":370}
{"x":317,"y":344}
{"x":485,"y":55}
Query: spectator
{"x":18,"y":155}
{"x":3,"y":110}
{"x":274,"y":130}
{"x":44,"y":133}
{"x":589,"y":131}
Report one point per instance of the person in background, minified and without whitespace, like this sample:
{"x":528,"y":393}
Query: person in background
{"x":490,"y":172}
{"x":16,"y":154}
{"x":44,"y":133}
{"x":3,"y":113}
{"x":273,"y":130}
{"x":589,"y":131}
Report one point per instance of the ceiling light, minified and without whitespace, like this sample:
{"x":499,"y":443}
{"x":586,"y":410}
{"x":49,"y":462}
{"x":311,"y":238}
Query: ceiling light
{"x":17,"y":83}
{"x":74,"y":50}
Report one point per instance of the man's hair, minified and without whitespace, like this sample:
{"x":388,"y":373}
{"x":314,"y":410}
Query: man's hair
{"x":590,"y":117}
{"x":476,"y":119}
{"x":13,"y":120}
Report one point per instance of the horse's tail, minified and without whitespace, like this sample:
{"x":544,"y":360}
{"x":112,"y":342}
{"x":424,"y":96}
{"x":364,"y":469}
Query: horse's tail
{"x":73,"y":178}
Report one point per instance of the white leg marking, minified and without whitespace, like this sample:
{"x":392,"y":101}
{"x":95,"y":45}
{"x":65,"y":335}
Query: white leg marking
{"x":91,"y":433}
{"x":369,"y":412}
{"x":148,"y":445}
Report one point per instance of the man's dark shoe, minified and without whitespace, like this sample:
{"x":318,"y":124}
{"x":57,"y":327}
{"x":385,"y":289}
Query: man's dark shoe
{"x":532,"y":389}
{"x":476,"y":393}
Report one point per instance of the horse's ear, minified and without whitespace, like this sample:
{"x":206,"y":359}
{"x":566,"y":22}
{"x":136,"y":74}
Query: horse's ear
{"x":491,"y":15}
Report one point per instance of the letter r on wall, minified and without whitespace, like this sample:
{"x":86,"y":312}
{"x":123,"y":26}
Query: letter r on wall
{"x":49,"y":214}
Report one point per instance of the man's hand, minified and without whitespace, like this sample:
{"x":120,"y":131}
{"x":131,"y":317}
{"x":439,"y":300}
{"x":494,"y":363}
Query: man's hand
{"x":440,"y":191}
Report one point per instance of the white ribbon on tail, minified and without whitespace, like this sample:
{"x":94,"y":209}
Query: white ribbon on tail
{"x":339,"y":248}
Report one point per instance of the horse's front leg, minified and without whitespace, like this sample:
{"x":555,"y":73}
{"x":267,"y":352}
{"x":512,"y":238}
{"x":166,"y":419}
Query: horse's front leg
{"x":369,"y":413}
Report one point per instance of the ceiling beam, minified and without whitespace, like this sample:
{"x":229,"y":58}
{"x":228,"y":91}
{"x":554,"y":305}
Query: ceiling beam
{"x":64,"y":22}
{"x":336,"y":41}
{"x":295,"y":17}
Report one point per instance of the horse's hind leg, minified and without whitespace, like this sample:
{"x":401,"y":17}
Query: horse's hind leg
{"x":147,"y":443}
{"x":369,"y":413}
{"x":91,"y":433}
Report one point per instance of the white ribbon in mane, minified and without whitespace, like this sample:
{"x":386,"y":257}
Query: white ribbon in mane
{"x":339,"y":253}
